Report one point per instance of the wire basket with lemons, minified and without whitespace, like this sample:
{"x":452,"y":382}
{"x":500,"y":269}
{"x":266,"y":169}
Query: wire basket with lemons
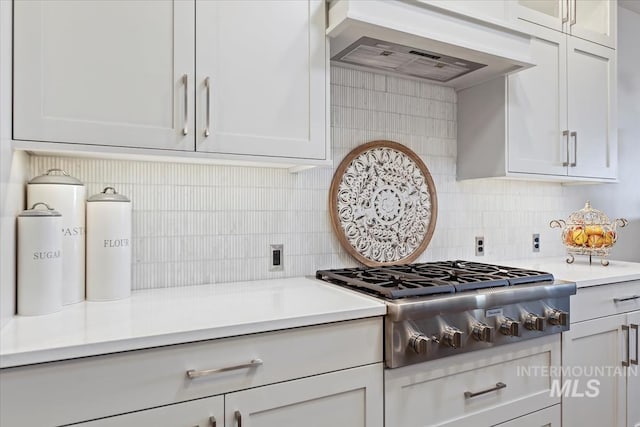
{"x":589,"y":232}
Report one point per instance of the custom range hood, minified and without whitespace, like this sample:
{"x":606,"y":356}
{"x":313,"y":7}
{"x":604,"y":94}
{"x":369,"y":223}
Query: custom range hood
{"x":418,"y":39}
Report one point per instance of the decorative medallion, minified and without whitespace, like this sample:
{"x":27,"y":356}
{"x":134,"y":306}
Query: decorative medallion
{"x":383,"y":204}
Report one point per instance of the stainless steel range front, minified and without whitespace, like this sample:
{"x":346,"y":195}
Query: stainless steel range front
{"x":439,"y":309}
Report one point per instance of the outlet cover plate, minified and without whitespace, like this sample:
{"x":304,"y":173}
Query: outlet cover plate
{"x":276,"y":257}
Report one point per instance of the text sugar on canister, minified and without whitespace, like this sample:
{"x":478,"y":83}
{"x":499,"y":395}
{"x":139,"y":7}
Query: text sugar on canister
{"x":39,"y":260}
{"x":109,"y":253}
{"x":67,"y":195}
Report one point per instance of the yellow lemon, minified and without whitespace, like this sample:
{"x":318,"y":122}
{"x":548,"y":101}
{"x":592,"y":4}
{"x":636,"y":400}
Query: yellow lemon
{"x":579,"y":237}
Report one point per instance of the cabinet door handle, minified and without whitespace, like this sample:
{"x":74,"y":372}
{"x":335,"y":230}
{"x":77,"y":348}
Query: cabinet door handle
{"x":191,"y":373}
{"x":565,"y":133}
{"x":565,"y":12}
{"x":185,"y":83}
{"x":499,"y":386}
{"x":207,"y":85}
{"x":238,"y":416}
{"x":573,"y":17}
{"x":631,"y":298}
{"x":575,"y":149}
{"x":212,"y":422}
{"x":626,"y":328}
{"x":635,"y":361}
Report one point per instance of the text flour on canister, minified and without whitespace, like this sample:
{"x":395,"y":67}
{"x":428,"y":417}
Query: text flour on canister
{"x":109,"y":256}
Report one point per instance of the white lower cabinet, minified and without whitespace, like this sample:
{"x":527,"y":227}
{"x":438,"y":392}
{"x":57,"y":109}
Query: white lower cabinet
{"x":474,"y":389}
{"x":549,"y":417}
{"x":198,"y":413}
{"x":600,"y":358}
{"x":633,"y":381}
{"x":352,"y":397}
{"x":346,"y":398}
{"x":328,"y":374}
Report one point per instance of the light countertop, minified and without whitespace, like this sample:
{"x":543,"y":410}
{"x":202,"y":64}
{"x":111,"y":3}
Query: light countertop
{"x":159,"y":317}
{"x":580,"y":271}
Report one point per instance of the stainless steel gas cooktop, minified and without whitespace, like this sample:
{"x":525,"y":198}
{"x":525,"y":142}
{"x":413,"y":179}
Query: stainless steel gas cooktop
{"x":439,"y":309}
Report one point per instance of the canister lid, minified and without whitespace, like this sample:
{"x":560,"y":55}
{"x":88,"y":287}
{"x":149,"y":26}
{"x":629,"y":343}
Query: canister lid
{"x":56,"y":176}
{"x":47,"y":211}
{"x":106,"y":196}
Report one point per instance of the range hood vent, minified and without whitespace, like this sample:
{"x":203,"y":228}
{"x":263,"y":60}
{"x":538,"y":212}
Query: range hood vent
{"x":416,"y":39}
{"x":385,"y":56}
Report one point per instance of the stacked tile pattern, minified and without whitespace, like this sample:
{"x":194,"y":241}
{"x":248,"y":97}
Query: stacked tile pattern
{"x":196,"y":224}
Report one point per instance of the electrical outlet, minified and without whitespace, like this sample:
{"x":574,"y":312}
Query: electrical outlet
{"x":535,"y":242}
{"x":276,"y":259}
{"x":479,"y":245}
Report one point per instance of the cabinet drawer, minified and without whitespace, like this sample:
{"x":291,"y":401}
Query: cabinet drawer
{"x":605,"y":300}
{"x":89,"y":388}
{"x":450,"y":391}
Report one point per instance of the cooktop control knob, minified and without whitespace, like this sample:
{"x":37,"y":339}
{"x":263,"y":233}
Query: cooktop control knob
{"x":419,"y":343}
{"x":482,"y":332}
{"x":452,"y":337}
{"x":534,"y":323}
{"x":558,"y":317}
{"x":510,"y":327}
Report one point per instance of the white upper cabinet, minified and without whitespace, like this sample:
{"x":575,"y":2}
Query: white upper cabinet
{"x":104,"y":72}
{"x":550,"y":13}
{"x":554,"y":121}
{"x":265,"y":64}
{"x":537,"y":118}
{"x":592,"y":109}
{"x":242,"y":80}
{"x":593,"y":20}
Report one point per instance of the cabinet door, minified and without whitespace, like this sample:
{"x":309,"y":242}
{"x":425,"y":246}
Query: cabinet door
{"x":594,"y":20}
{"x":352,"y":397}
{"x":549,"y":417}
{"x":594,"y":344}
{"x":196,"y":413}
{"x":550,"y":13}
{"x":104,"y":72}
{"x":265,"y":62}
{"x":436,"y":392}
{"x":592,"y":109}
{"x":633,"y":379}
{"x":537,"y":118}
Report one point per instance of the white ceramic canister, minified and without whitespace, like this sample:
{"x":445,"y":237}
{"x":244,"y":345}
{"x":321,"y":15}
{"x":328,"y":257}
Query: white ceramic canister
{"x":67,"y":194}
{"x":108,"y":246}
{"x":39,"y":261}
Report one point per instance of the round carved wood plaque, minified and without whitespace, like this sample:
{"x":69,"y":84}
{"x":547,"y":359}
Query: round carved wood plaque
{"x":383,"y":204}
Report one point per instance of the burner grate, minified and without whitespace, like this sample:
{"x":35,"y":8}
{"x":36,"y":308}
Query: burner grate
{"x":432,"y":278}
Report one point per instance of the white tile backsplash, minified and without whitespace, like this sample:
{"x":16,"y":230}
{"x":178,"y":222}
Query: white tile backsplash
{"x":197,"y":224}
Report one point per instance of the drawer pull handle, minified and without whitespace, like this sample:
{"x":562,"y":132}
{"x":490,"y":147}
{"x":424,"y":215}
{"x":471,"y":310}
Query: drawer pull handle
{"x":469,"y":395}
{"x":207,"y":84}
{"x":238,"y":417}
{"x":635,"y":361}
{"x":631,"y":298}
{"x":212,"y":422}
{"x":195,"y":374}
{"x":566,"y":133}
{"x":626,"y":328}
{"x":185,"y":82}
